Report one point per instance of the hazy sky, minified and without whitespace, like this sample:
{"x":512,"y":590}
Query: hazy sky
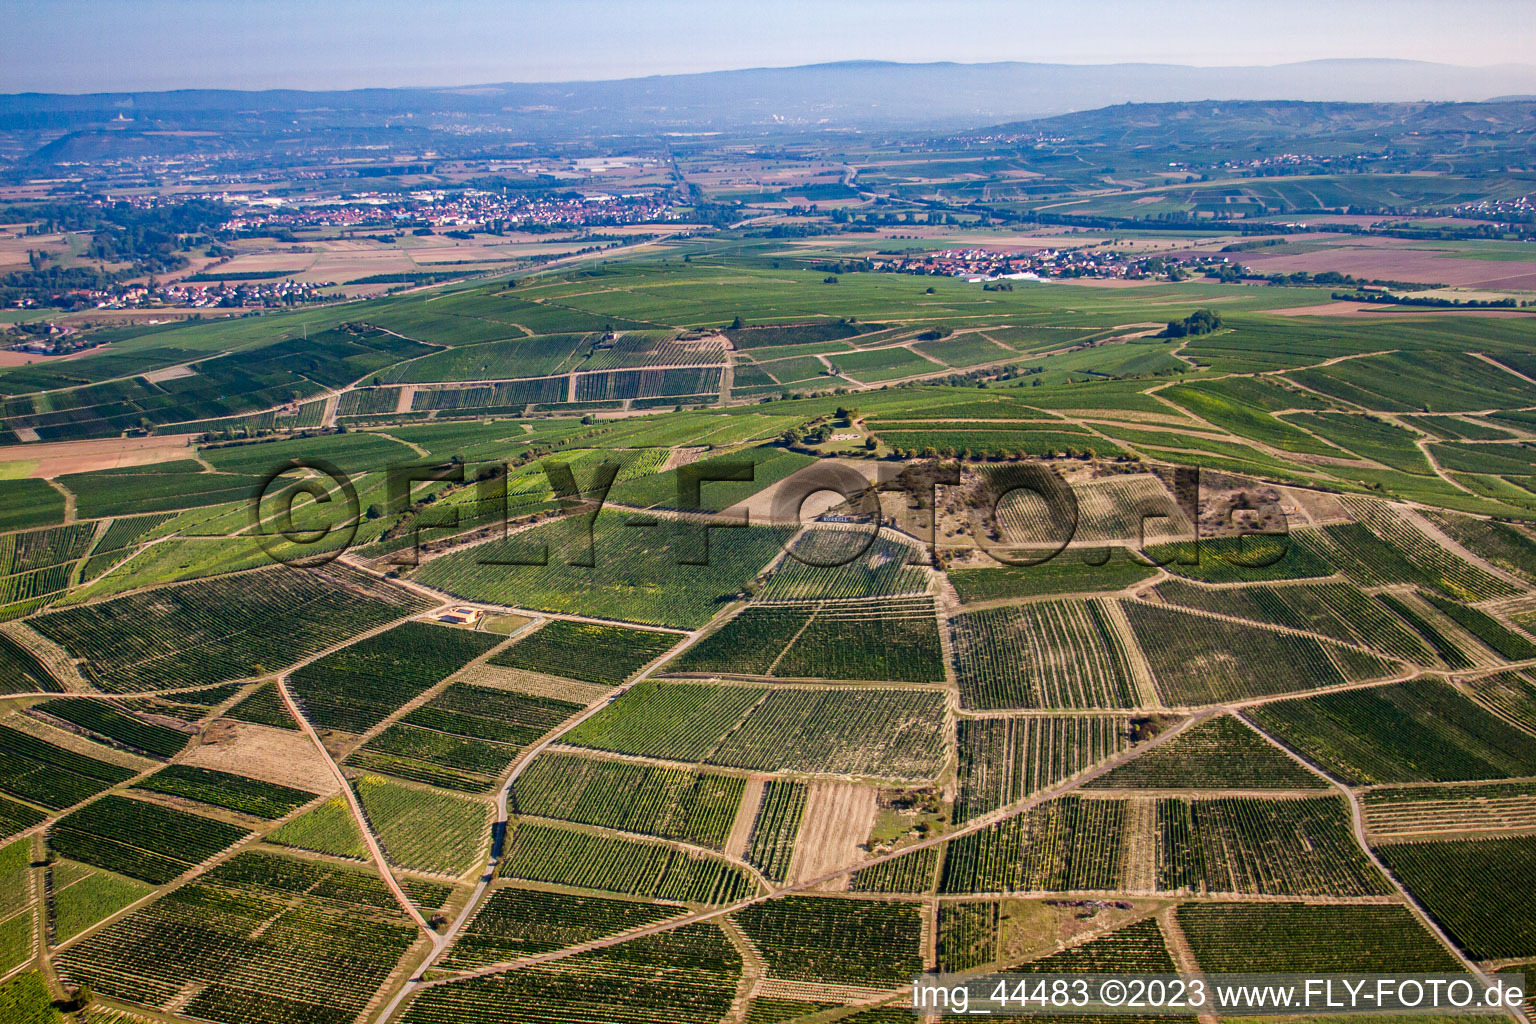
{"x":109,"y":45}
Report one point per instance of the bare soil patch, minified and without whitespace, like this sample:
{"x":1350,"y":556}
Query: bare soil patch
{"x":746,"y":814}
{"x":1320,"y":508}
{"x":1396,"y":259}
{"x":283,"y":756}
{"x":1034,"y":928}
{"x":10,"y":358}
{"x":759,"y":507}
{"x":836,"y":823}
{"x":170,"y":373}
{"x":55,"y":458}
{"x":534,"y":683}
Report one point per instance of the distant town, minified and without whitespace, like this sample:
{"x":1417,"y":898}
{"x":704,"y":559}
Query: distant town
{"x":980,"y":265}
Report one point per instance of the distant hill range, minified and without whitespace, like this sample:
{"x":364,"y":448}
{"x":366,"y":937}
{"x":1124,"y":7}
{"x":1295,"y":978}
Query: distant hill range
{"x":1220,"y":123}
{"x":847,"y":95}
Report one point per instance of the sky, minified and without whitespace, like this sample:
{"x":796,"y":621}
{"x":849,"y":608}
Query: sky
{"x":127,"y":45}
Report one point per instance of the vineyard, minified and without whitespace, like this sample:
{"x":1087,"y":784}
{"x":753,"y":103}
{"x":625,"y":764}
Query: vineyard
{"x":1467,"y":887}
{"x":588,"y":651}
{"x":749,"y":644}
{"x":115,"y":724}
{"x":49,"y":775}
{"x":1253,"y":558}
{"x":1003,"y":760}
{"x":771,"y":844}
{"x":38,"y":549}
{"x":694,"y":761}
{"x":651,"y":348}
{"x":684,"y":976}
{"x":892,"y":733}
{"x":667,"y":802}
{"x":261,"y":939}
{"x":856,"y":942}
{"x":17,"y":817}
{"x":1503,"y":545}
{"x":1436,"y":564}
{"x":857,"y":732}
{"x":558,"y":856}
{"x":1048,"y":654}
{"x":423,"y":830}
{"x":1264,"y":937}
{"x":911,"y":873}
{"x":622,"y":384}
{"x":1447,"y":650}
{"x":831,"y":565}
{"x":26,"y":586}
{"x":1510,"y":694}
{"x":462,"y":739}
{"x":670,"y":490}
{"x":435,"y":758}
{"x":264,"y":706}
{"x":221,"y":789}
{"x":140,"y":839}
{"x":82,"y":896}
{"x":15,"y":881}
{"x":1220,"y":753}
{"x":636,"y":576}
{"x":1419,"y":731}
{"x":1064,"y":574}
{"x":1069,"y":844}
{"x":1267,"y":847}
{"x":772,"y":1010}
{"x":21,"y":672}
{"x":1420,"y":812}
{"x":38,"y":563}
{"x":514,"y":923}
{"x":1499,"y":638}
{"x":967,"y":934}
{"x":1337,"y":610}
{"x":1136,"y":948}
{"x":464,"y":709}
{"x":230,"y":627}
{"x":895,"y":640}
{"x":1201,"y":659}
{"x":677,"y":721}
{"x":366,"y":401}
{"x":1117,"y":508}
{"x":359,"y":686}
{"x":328,"y":828}
{"x":1392,"y":551}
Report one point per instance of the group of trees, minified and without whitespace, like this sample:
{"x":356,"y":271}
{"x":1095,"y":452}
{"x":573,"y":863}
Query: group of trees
{"x":146,"y":239}
{"x":1201,"y":321}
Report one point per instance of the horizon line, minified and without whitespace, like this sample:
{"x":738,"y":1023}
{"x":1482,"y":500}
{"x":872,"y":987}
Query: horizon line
{"x":796,"y":67}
